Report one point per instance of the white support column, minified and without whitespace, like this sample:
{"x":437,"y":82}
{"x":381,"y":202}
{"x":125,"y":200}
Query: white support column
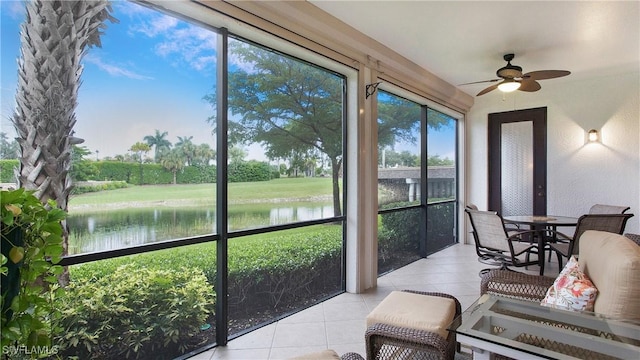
{"x":414,"y":188}
{"x":362,"y":188}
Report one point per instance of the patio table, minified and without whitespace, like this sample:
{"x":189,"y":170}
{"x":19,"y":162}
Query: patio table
{"x":540,"y":224}
{"x":526,"y":330}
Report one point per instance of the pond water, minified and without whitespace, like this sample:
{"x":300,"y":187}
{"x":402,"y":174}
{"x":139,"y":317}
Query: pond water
{"x":114,"y":229}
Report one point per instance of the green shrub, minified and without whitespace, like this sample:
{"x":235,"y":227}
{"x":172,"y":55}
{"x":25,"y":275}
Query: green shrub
{"x":7,"y":170}
{"x":243,"y":171}
{"x":398,"y":237}
{"x":404,"y":225}
{"x":268,"y":274}
{"x":87,"y":187}
{"x":284,"y":269}
{"x":197,"y":175}
{"x":135,"y":312}
{"x":440,"y":226}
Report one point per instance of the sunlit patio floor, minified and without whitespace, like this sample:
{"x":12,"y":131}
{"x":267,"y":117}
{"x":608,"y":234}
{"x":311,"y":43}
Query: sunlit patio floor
{"x":339,"y":323}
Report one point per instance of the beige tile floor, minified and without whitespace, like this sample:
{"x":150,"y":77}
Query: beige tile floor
{"x":339,"y":323}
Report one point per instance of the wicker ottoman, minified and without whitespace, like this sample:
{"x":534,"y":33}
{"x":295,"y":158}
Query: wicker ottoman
{"x":412,"y":325}
{"x":328,"y":354}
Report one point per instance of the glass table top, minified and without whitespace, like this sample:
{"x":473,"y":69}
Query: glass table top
{"x":547,"y":332}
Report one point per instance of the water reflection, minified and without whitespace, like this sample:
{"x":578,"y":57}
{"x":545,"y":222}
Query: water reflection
{"x":115,"y":229}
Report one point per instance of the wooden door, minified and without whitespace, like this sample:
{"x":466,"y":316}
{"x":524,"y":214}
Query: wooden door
{"x":518,"y":162}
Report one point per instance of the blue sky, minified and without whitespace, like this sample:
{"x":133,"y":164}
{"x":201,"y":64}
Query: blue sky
{"x":152,"y":72}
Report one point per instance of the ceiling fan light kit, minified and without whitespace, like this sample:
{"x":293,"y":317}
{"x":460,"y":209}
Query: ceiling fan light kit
{"x":513,"y":79}
{"x":509,"y":85}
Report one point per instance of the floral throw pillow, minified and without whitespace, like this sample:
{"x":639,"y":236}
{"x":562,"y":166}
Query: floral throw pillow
{"x":572,"y":289}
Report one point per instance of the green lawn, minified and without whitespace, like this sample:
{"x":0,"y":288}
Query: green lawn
{"x":205,"y":194}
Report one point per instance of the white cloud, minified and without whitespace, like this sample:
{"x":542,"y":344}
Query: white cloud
{"x":113,"y":69}
{"x":180,"y":41}
{"x":15,"y":9}
{"x":158,"y":25}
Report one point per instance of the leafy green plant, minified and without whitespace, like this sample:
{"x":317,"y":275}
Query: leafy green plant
{"x":135,"y":312}
{"x":269,"y":275}
{"x":31,"y":248}
{"x":87,"y":187}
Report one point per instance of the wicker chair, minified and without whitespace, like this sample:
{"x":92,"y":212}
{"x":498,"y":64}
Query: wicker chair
{"x":608,"y":209}
{"x":385,"y":341}
{"x":609,"y":260}
{"x":497,"y":246}
{"x":566,"y":246}
{"x":634,"y":237}
{"x":328,"y":354}
{"x":351,"y":356}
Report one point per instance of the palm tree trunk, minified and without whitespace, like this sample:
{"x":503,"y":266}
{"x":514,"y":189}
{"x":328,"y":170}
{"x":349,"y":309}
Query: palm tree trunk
{"x":335,"y":181}
{"x":54,"y":38}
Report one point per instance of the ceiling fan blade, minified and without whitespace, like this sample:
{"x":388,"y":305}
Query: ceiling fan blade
{"x":545,"y":74}
{"x":490,"y":88}
{"x":529,"y":85}
{"x":480,"y":82}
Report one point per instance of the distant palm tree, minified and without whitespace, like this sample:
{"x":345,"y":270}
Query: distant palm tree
{"x":174,"y":162}
{"x":204,"y":154}
{"x":159,"y":143}
{"x":182,"y":140}
{"x":236,"y":154}
{"x":187,"y":148}
{"x":54,"y":38}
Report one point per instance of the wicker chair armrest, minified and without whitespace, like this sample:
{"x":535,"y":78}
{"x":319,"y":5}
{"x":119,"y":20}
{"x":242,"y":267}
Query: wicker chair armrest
{"x":351,"y":356}
{"x":387,"y":341}
{"x":515,"y":285}
{"x":634,"y":237}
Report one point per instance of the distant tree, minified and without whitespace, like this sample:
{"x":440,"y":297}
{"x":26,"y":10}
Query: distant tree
{"x":204,"y":154}
{"x":296,"y":163}
{"x":392,"y":158}
{"x":285,"y":105}
{"x":310,"y":166}
{"x":173,"y":161}
{"x":140,"y":151}
{"x":159,"y":143}
{"x":236,"y":154}
{"x":437,"y":120}
{"x":81,"y":168}
{"x":399,"y":121}
{"x":187,"y":147}
{"x":184,"y":140}
{"x":8,"y":149}
{"x":436,"y":160}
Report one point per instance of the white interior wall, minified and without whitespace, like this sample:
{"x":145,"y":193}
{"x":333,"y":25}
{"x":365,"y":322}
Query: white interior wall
{"x":579,"y":174}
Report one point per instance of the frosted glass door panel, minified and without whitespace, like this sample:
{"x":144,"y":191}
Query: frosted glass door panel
{"x":517,"y":168}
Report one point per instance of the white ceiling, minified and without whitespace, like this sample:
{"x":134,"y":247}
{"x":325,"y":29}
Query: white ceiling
{"x":464,"y":41}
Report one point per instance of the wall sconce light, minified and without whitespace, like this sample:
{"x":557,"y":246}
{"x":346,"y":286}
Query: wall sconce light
{"x":593,"y":135}
{"x":371,"y":89}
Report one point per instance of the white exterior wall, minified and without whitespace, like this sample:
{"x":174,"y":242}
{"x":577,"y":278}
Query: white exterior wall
{"x":578,"y":174}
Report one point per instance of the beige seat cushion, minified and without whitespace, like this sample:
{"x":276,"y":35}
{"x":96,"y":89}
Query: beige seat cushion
{"x":320,"y":355}
{"x":612,"y":262}
{"x":414,"y":311}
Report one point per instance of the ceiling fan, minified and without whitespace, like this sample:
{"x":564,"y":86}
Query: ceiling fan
{"x":513,"y":78}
